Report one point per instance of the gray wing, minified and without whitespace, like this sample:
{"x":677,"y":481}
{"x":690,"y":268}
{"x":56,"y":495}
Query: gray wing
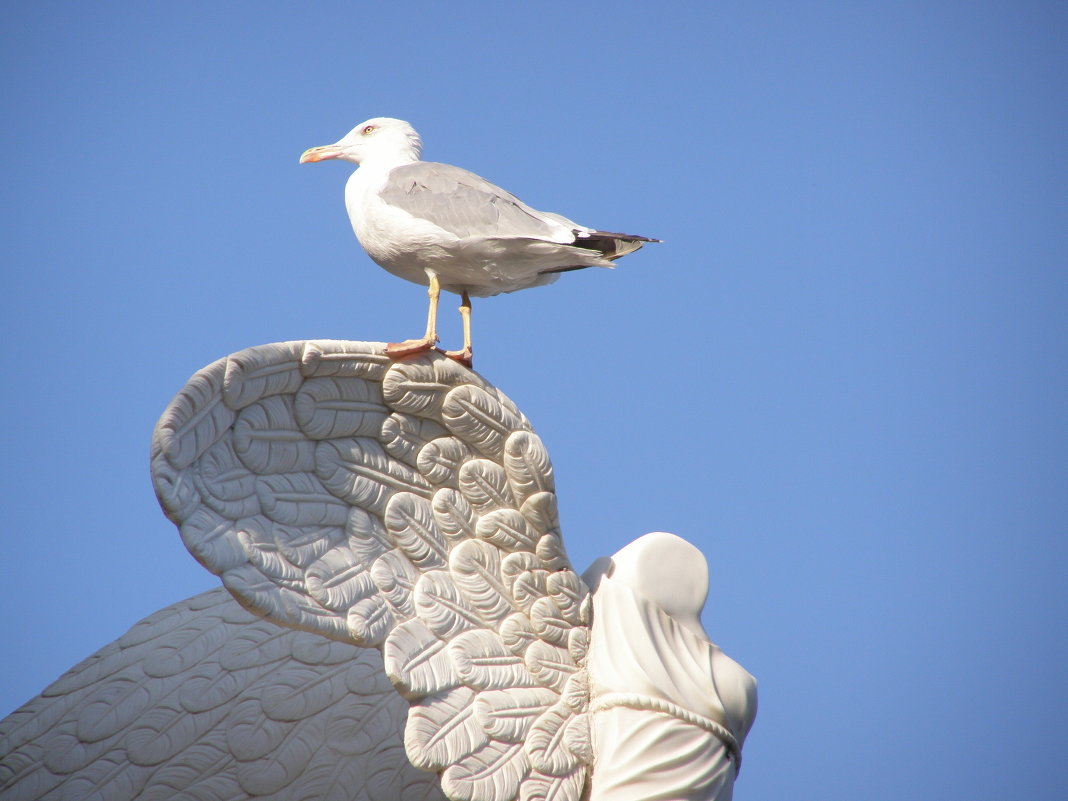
{"x":204,"y":700}
{"x":467,"y":205}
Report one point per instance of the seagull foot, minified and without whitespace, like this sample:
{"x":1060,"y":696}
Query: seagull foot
{"x":409,"y":347}
{"x":461,"y":356}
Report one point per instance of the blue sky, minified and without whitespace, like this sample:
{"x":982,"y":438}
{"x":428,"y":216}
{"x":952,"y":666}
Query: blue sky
{"x":842,"y":374}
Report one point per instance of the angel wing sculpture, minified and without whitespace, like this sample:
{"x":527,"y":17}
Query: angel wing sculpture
{"x":203,"y":700}
{"x":409,"y":507}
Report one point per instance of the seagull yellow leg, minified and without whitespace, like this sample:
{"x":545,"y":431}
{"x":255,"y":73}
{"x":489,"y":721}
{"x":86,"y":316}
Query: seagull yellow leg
{"x":433,"y":292}
{"x":410,"y":346}
{"x":464,"y":356}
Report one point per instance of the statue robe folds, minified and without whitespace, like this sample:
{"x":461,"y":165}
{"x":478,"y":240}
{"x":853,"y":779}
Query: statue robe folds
{"x":670,"y":709}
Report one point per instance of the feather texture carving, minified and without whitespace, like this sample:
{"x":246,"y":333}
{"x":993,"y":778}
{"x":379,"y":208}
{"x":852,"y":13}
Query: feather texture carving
{"x":247,"y":710}
{"x":443,"y":729}
{"x":508,"y":714}
{"x":475,"y":568}
{"x":403,"y":505}
{"x":328,"y":408}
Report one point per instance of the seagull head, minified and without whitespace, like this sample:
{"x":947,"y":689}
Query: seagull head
{"x":380,"y":140}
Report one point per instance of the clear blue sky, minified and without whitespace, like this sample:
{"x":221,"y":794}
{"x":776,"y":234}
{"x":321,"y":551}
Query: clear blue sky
{"x":843,"y":373}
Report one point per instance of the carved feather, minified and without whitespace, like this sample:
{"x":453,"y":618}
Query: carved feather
{"x":485,"y":485}
{"x":370,"y":620}
{"x":268,"y":440}
{"x":442,"y":730}
{"x":298,"y":499}
{"x":264,"y":555}
{"x":548,"y":621}
{"x":332,"y":357}
{"x":525,"y":578}
{"x":410,"y":523}
{"x":477,"y":417}
{"x":403,"y":435}
{"x":507,"y":529}
{"x":262,"y":371}
{"x":187,"y":771}
{"x":303,"y":690}
{"x":416,"y":661}
{"x":541,"y":512}
{"x":550,"y":664}
{"x":175,"y":489}
{"x":508,"y":714}
{"x":415,"y":387}
{"x":476,"y":569}
{"x":528,"y":466}
{"x":405,"y":505}
{"x":539,"y":787}
{"x":568,"y":592}
{"x":213,"y":540}
{"x":517,"y":634}
{"x":578,"y":644}
{"x":528,"y":587}
{"x":205,"y":689}
{"x":367,"y":535}
{"x":195,"y":419}
{"x":339,"y":579}
{"x":455,"y":518}
{"x":224,"y":483}
{"x":359,"y":471}
{"x":439,"y":604}
{"x":550,"y":550}
{"x":302,"y":545}
{"x":493,"y":772}
{"x":327,"y":408}
{"x":440,"y":459}
{"x":395,"y":578}
{"x":484,"y":663}
{"x":551,"y":745}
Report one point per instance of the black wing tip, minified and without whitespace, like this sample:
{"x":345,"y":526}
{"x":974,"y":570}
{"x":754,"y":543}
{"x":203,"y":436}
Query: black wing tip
{"x":553,"y":270}
{"x":611,"y":235}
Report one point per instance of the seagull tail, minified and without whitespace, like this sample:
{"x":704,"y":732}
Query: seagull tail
{"x":611,"y":246}
{"x":606,"y":245}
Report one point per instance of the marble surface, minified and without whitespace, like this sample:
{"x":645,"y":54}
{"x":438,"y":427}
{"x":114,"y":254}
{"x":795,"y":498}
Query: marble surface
{"x":204,"y":700}
{"x":367,"y":505}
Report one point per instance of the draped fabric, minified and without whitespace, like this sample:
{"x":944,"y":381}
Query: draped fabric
{"x":670,"y":709}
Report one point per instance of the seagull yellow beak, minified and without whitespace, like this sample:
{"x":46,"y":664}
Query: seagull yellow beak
{"x":320,"y":153}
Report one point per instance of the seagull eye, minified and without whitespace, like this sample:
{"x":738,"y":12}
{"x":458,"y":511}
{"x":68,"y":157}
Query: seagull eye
{"x":368,"y":129}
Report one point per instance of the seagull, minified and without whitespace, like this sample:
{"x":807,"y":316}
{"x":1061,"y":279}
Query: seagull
{"x":446,"y":228}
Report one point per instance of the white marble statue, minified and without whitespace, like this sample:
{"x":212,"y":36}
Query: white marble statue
{"x":669,"y":709}
{"x":408,"y":507}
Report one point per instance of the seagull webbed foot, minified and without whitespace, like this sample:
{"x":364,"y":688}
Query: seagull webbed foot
{"x":409,"y":347}
{"x":461,"y":356}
